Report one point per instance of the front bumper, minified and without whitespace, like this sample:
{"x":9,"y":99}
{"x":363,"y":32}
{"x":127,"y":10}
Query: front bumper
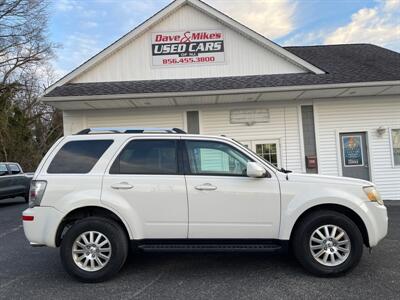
{"x":43,"y":228}
{"x":377,"y":224}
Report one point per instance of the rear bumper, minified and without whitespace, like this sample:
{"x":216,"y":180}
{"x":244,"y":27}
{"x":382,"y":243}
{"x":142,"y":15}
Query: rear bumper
{"x":377,"y":225}
{"x":41,"y":231}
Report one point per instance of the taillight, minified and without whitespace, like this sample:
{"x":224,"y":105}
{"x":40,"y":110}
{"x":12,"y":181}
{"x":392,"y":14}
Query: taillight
{"x":36,"y":192}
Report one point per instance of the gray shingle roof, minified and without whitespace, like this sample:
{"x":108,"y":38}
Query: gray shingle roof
{"x":342,"y":64}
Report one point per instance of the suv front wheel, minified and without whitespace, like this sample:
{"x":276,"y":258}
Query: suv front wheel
{"x":94,"y":249}
{"x":327,"y":243}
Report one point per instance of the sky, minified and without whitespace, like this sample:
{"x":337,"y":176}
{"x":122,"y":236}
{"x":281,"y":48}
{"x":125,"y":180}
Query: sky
{"x":82,"y":28}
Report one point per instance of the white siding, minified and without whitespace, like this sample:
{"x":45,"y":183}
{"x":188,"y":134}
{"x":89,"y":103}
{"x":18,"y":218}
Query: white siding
{"x":351,"y":115}
{"x":133,"y":62}
{"x":73,"y":122}
{"x":135,"y":118}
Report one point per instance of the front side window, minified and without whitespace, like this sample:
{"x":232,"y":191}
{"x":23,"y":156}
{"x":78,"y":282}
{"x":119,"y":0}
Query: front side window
{"x":78,"y":157}
{"x":147,"y":157}
{"x":214,"y":158}
{"x":396,"y":146}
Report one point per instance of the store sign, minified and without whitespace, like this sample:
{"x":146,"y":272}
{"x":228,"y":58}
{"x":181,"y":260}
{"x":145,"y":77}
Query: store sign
{"x":352,"y":151}
{"x":187,"y":48}
{"x":249,"y":116}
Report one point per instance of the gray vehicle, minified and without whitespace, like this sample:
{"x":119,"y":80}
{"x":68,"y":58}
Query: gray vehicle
{"x":13,"y":181}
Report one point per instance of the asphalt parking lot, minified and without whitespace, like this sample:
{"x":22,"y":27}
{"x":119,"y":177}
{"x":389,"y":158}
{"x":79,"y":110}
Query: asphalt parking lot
{"x":33,"y":273}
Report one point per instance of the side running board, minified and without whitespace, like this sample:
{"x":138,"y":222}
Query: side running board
{"x":210,"y":247}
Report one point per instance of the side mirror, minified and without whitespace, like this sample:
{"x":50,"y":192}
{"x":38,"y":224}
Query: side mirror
{"x":255,"y":170}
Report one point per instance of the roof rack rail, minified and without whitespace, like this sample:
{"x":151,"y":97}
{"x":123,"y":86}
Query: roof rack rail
{"x":129,"y":130}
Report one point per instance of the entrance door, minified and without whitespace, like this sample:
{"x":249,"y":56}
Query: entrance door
{"x":354,"y":153}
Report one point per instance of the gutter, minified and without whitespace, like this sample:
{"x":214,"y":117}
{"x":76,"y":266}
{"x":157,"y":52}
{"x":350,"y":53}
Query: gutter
{"x":220,"y":92}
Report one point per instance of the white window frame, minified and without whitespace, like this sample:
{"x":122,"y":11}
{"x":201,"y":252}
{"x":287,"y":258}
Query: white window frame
{"x":252,"y":145}
{"x":391,"y":147}
{"x":185,"y":125}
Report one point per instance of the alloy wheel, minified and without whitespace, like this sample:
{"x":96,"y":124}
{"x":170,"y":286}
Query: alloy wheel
{"x":91,"y":251}
{"x":330,"y":245}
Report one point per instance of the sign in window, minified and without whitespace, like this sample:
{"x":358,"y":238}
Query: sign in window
{"x":352,"y":150}
{"x":396,"y":146}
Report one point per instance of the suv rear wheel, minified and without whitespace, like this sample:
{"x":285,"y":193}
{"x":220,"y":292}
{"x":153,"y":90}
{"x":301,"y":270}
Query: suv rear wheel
{"x":327,"y":243}
{"x":94,"y":249}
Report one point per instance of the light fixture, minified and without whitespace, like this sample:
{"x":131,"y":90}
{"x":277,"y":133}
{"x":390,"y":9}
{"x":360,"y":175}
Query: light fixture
{"x":380,"y":130}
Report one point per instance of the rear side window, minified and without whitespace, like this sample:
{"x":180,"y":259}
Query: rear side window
{"x":14,"y":169}
{"x":147,"y":157}
{"x":78,"y":157}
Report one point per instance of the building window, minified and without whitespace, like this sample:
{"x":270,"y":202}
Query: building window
{"x":396,"y":146}
{"x":268,"y":152}
{"x":193,"y":124}
{"x":310,"y":148}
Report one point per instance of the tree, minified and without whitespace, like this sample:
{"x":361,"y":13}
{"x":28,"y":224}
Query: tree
{"x":27,"y":126}
{"x":23,"y":40}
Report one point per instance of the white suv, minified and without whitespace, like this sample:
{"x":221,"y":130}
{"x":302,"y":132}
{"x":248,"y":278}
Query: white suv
{"x":95,"y":194}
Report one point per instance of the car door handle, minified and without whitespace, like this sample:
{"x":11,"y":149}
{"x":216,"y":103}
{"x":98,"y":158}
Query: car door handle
{"x":122,"y":186}
{"x":206,"y":187}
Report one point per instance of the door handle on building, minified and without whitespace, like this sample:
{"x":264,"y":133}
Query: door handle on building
{"x":122,"y":186}
{"x":206,"y":187}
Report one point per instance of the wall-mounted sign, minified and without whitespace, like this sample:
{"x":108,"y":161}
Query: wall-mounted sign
{"x":249,"y":116}
{"x":187,"y":47}
{"x":352,"y":150}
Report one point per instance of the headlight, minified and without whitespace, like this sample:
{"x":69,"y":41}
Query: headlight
{"x":372,"y":194}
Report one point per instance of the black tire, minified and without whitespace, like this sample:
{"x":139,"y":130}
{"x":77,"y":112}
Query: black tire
{"x":301,"y":242}
{"x":119,"y":246}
